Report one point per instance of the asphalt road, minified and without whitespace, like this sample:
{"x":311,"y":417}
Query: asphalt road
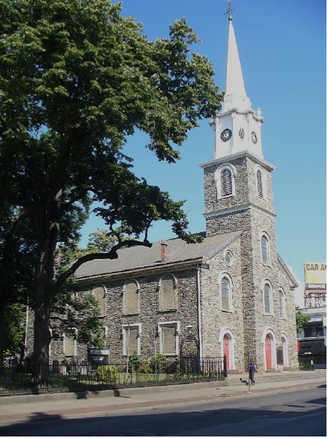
{"x":293,"y":413}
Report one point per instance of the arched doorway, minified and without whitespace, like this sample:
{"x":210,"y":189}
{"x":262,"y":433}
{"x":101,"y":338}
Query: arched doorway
{"x":227,"y":349}
{"x":268,"y":351}
{"x":285,"y":359}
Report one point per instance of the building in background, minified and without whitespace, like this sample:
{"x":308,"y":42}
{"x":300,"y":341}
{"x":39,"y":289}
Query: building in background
{"x":312,"y":337}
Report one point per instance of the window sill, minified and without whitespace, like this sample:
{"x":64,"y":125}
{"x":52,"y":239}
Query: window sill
{"x":167,"y":310}
{"x":227,"y":311}
{"x":226,"y":197}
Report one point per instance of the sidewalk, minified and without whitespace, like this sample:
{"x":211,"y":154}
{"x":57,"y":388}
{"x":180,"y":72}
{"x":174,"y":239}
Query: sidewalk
{"x":15,"y":409}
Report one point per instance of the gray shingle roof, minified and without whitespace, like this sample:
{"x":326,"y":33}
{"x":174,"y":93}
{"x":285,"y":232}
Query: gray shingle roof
{"x":140,"y":257}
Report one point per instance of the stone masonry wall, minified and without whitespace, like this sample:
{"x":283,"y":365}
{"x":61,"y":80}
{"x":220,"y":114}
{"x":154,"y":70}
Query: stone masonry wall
{"x":216,"y":321}
{"x":254,"y":216}
{"x":149,"y":316}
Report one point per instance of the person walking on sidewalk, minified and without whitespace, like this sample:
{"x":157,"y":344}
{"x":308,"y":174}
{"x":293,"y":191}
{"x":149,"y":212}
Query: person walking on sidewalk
{"x":251,"y":371}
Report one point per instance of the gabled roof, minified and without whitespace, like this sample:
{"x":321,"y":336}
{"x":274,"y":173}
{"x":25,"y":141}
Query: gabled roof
{"x":288,"y":272}
{"x":140,"y":257}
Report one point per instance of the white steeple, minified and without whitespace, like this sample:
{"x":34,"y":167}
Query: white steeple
{"x":238,"y":127}
{"x":235,"y":93}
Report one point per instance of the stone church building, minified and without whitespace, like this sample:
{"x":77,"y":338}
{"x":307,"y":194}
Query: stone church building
{"x":229,"y":295}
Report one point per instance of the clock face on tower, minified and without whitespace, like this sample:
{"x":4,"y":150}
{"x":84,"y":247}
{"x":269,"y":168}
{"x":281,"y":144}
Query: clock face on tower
{"x":254,"y":137}
{"x":225,"y":134}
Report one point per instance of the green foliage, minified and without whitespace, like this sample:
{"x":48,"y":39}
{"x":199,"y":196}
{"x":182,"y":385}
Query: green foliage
{"x":78,"y":316}
{"x":76,"y":79}
{"x":107,"y":373}
{"x":146,"y":365}
{"x":134,"y":361}
{"x":14,"y":320}
{"x":301,"y":319}
{"x":160,"y":360}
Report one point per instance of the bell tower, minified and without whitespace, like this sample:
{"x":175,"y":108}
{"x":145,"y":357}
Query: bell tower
{"x":237,"y":178}
{"x":238,"y":195}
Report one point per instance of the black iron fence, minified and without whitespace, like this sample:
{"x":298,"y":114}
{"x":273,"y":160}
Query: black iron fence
{"x":78,"y":377}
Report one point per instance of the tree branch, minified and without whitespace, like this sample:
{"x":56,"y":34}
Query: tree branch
{"x":111,"y":255}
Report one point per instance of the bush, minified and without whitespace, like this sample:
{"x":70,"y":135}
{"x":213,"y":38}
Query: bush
{"x":107,"y":373}
{"x":134,"y":361}
{"x":161,"y":363}
{"x":147,"y":366}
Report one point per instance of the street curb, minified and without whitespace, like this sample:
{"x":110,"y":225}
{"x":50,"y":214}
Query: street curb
{"x":231,"y":386}
{"x":12,"y":399}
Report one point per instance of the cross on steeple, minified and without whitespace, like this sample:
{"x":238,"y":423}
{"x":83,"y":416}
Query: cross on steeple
{"x":229,"y":11}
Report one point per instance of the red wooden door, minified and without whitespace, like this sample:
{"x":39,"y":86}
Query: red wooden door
{"x":268,"y":351}
{"x":226,"y":350}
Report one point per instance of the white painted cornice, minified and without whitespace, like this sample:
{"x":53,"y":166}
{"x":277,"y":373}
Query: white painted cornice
{"x":230,"y":158}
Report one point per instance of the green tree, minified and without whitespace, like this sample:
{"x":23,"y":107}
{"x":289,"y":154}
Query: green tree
{"x":75,"y":314}
{"x":301,"y":319}
{"x":14,"y":335}
{"x":17,"y":256}
{"x":76,"y":79}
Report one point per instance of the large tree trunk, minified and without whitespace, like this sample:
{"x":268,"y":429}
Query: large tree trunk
{"x":44,"y":295}
{"x":40,"y":359}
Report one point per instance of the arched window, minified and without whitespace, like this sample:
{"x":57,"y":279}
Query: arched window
{"x":259,"y":183}
{"x":226,"y":293}
{"x":99,"y":294}
{"x":267,"y":298}
{"x":131,"y":298}
{"x":70,"y":343}
{"x":282,"y":304}
{"x":225,"y":181}
{"x":167,"y":293}
{"x":265,"y":252}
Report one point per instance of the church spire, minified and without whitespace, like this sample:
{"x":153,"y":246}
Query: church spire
{"x":237,"y":128}
{"x":235,"y":92}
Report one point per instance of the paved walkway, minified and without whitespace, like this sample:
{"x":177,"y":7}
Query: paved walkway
{"x":15,"y":409}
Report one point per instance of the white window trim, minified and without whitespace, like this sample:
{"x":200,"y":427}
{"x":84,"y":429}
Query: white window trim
{"x":163,"y":277}
{"x":282,"y":292}
{"x":217,"y":179}
{"x":264,"y":234}
{"x":269,"y":331}
{"x":125,"y":334}
{"x":223,"y":332}
{"x":124,"y":297}
{"x":74,"y":343}
{"x":267,"y":282}
{"x":230,"y":253}
{"x":167,"y":323}
{"x":175,"y":282}
{"x":102,"y":315}
{"x":285,"y":350}
{"x":264,"y":186}
{"x":226,"y":275}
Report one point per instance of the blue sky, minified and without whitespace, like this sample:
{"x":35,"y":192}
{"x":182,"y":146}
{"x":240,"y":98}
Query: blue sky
{"x":282,"y":50}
